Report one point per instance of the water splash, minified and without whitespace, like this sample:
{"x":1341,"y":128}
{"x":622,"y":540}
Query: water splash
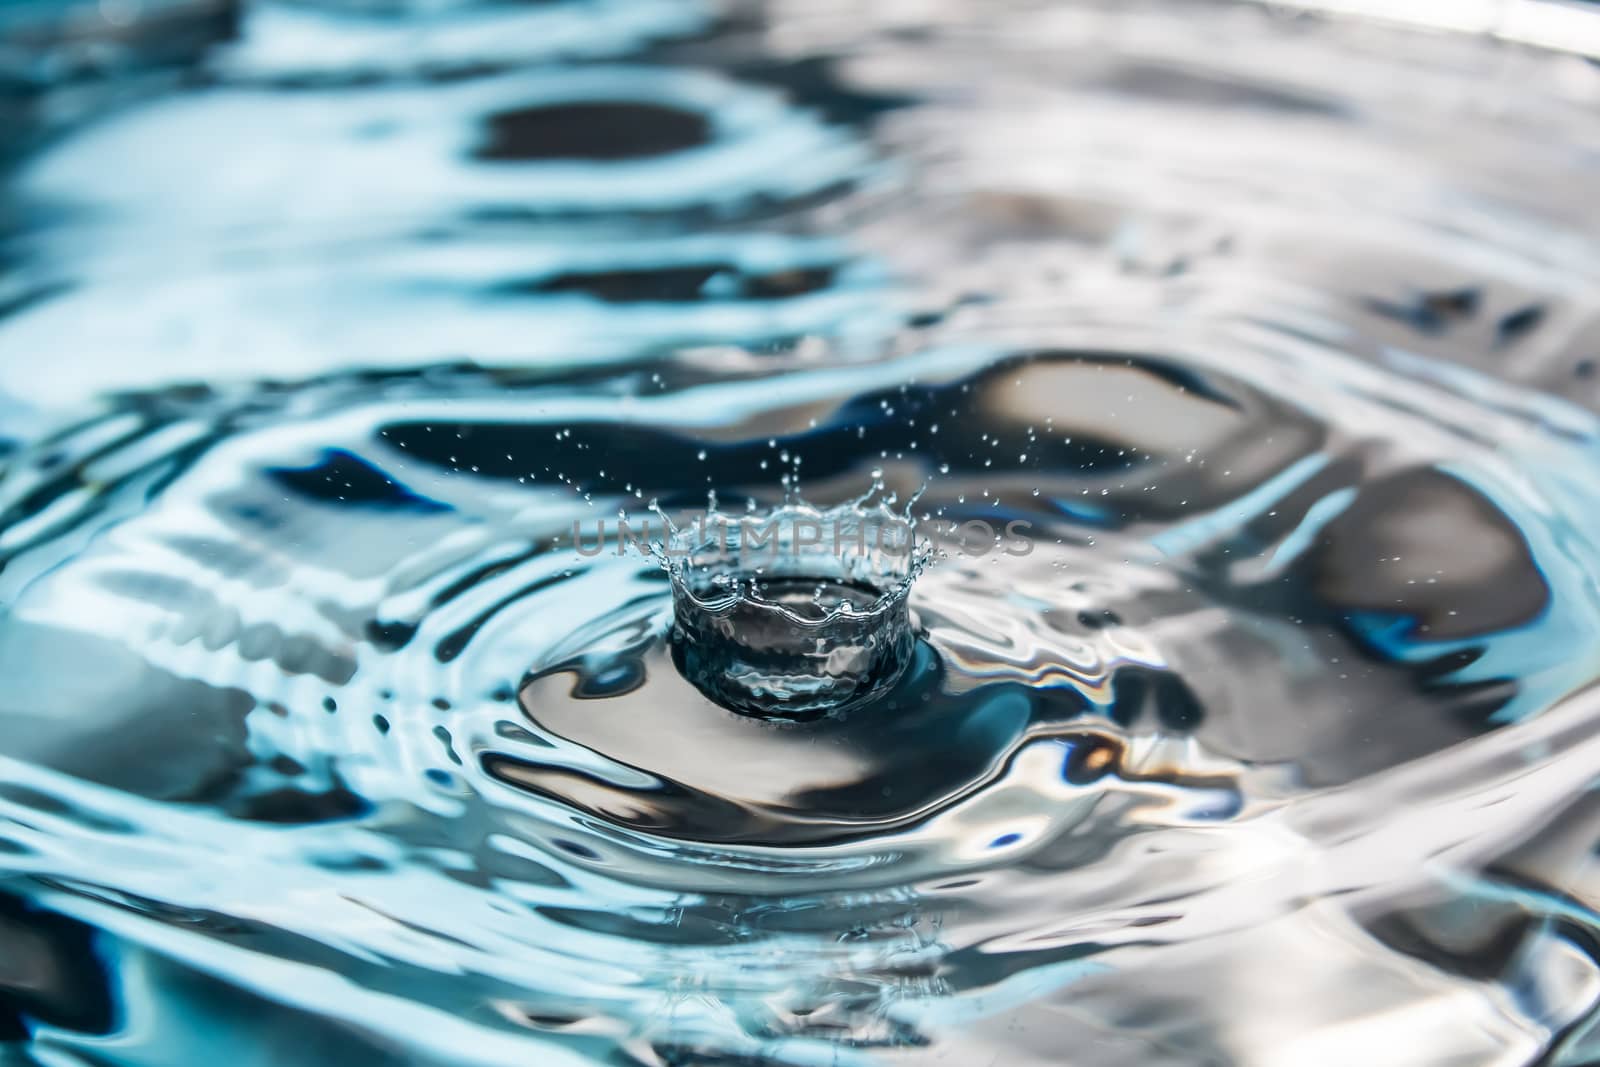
{"x":797,"y":611}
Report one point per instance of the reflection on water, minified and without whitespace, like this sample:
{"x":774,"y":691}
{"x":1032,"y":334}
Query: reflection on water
{"x":323,"y":324}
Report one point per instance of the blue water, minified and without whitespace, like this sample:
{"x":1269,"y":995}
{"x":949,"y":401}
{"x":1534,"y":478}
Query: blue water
{"x":324,"y":325}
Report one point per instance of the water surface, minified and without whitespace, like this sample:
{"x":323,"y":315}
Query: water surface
{"x":321,"y":325}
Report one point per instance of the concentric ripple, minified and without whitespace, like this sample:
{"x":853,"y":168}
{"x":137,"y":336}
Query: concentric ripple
{"x":1261,"y":730}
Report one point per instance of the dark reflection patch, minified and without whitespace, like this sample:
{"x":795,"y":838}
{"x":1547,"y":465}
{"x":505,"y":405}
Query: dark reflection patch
{"x":598,"y":131}
{"x":1479,"y":942}
{"x":291,"y":806}
{"x":679,"y":284}
{"x":1068,"y":423}
{"x":1431,"y":312}
{"x":1519,"y":323}
{"x":659,"y":284}
{"x":1424,"y":546}
{"x":346,"y":478}
{"x":49,"y":972}
{"x":1137,"y":690}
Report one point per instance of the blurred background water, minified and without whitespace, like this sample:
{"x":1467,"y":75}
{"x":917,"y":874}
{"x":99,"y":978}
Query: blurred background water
{"x":321,"y":324}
